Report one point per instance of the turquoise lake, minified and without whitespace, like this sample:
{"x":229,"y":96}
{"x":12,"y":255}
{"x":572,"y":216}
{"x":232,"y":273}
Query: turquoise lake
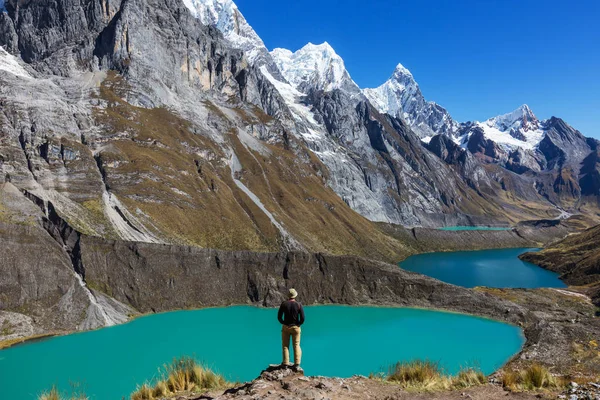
{"x":473,"y":228}
{"x":240,"y":341}
{"x":499,"y":268}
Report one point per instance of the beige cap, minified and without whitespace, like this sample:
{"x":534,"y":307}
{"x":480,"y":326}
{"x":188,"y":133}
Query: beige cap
{"x":293,"y":294}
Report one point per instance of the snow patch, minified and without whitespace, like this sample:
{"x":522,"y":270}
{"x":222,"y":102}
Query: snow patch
{"x":521,"y":119}
{"x":506,"y":140}
{"x":9,"y":63}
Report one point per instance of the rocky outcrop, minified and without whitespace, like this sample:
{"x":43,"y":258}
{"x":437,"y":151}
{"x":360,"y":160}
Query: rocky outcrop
{"x":283,"y":383}
{"x":277,"y":382}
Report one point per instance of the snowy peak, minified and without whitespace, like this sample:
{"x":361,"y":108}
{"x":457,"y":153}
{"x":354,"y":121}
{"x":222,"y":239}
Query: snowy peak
{"x":401,"y":97}
{"x":401,"y":72}
{"x":517,"y":129}
{"x":314,"y":67}
{"x":522,"y":119}
{"x":394,"y":96}
{"x":225,"y":15}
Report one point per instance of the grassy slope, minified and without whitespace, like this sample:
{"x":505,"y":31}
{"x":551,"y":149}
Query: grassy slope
{"x":577,"y":258}
{"x":180,"y":185}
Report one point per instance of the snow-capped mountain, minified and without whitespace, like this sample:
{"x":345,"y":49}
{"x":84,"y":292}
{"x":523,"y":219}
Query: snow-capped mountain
{"x":517,"y":129}
{"x":316,"y":67}
{"x":400,"y":96}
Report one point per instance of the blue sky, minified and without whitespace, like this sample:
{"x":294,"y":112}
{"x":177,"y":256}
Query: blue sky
{"x":476,"y":58}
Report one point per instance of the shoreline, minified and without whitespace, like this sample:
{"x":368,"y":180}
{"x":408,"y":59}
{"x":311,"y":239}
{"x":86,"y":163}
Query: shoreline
{"x":10,"y":343}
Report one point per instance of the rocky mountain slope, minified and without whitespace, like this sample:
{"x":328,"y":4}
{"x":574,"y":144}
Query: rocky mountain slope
{"x":317,"y":68}
{"x":576,"y":258}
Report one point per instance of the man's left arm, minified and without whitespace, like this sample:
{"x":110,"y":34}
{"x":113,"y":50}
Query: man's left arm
{"x":280,"y":314}
{"x":300,"y":315}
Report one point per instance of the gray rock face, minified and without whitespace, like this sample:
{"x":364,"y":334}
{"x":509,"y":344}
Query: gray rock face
{"x":589,"y":179}
{"x":488,"y":149}
{"x":395,"y":165}
{"x":521,"y":161}
{"x":38,"y":273}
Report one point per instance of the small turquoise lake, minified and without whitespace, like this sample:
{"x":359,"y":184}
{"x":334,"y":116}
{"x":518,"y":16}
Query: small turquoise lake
{"x":500,"y":268}
{"x":473,"y":228}
{"x":241,"y":341}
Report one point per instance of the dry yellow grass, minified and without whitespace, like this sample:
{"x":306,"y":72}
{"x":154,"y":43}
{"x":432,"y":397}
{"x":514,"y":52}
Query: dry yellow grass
{"x":533,"y":377}
{"x":182,"y":375}
{"x":54,"y":394}
{"x":427,"y":376}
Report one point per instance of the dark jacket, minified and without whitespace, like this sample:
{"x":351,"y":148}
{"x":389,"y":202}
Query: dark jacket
{"x":291,"y":313}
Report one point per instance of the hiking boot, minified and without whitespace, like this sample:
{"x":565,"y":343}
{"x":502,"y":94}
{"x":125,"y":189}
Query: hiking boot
{"x":297,"y":368}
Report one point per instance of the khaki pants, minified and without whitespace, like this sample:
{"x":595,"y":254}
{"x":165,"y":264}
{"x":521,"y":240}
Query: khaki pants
{"x":292,"y":332}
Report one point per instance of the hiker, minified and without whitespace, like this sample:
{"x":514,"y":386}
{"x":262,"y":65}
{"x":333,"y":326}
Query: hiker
{"x":291,"y":317}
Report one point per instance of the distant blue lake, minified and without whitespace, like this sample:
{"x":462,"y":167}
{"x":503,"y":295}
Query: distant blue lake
{"x":499,"y":268}
{"x":473,"y":228}
{"x":241,"y":341}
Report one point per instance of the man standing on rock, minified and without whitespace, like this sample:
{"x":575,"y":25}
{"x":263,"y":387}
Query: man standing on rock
{"x":291,"y":317}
